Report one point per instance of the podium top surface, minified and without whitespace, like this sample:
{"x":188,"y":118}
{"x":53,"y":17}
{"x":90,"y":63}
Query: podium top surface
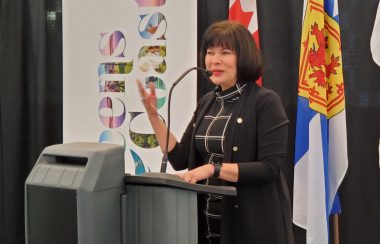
{"x":170,"y":180}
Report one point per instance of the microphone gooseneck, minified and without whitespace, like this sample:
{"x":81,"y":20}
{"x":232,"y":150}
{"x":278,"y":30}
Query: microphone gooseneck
{"x":165,"y":156}
{"x":207,"y":72}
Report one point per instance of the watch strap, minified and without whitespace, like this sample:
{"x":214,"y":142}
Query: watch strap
{"x":217,"y":168}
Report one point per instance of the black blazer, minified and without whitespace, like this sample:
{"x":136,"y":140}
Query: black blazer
{"x":258,"y":136}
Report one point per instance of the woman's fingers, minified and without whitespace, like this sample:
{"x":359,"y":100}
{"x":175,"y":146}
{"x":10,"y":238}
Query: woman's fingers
{"x":190,"y":176}
{"x":152,"y":89}
{"x":185,"y":176}
{"x":141,"y":89}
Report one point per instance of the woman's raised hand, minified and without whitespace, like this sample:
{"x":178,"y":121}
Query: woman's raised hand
{"x":149,"y":100}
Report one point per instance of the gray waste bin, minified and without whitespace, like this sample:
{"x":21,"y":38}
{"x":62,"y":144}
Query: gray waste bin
{"x":72,"y":195}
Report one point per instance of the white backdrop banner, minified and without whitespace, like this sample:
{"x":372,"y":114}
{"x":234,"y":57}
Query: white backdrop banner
{"x":107,"y":45}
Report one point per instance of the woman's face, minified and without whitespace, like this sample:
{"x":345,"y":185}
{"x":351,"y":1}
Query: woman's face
{"x":223,"y":64}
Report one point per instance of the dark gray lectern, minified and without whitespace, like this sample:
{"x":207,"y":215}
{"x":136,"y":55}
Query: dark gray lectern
{"x":72,"y":195}
{"x":162,"y":209}
{"x":79,"y":193}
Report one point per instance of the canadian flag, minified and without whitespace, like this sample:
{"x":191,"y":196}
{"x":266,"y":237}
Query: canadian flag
{"x":245,"y":12}
{"x":375,"y":39}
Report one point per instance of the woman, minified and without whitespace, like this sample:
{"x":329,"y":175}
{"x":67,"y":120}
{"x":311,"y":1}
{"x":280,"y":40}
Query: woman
{"x":236,"y":137}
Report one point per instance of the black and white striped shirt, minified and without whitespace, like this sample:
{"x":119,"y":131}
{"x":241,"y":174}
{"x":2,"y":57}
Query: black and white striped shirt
{"x":209,"y":142}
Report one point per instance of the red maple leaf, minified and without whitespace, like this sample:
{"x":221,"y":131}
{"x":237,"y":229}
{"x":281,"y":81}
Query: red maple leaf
{"x":237,"y":13}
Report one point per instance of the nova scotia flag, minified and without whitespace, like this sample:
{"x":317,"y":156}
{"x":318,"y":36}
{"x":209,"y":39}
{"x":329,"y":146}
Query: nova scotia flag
{"x":321,"y":139}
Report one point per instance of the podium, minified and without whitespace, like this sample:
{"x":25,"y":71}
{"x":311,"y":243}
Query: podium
{"x":79,"y":193}
{"x":162,"y":209}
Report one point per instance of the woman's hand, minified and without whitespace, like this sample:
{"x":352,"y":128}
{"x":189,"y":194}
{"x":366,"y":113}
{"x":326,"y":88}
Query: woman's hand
{"x":149,"y":100}
{"x":197,"y":174}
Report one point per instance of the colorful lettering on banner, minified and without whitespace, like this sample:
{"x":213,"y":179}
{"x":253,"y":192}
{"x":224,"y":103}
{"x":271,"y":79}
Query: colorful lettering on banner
{"x":141,"y":139}
{"x":112,"y":137}
{"x":151,"y":59}
{"x":139,"y":165}
{"x":113,"y":73}
{"x":112,"y":77}
{"x":115,"y":68}
{"x":153,"y":26}
{"x":107,"y":109}
{"x":112,"y":45}
{"x":106,"y":70}
{"x":152,"y":56}
{"x":150,"y":3}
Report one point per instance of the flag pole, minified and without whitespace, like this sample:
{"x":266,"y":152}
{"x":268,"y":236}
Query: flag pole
{"x":336,"y":228}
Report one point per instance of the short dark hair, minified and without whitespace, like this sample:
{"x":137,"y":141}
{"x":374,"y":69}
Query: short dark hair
{"x":234,"y":36}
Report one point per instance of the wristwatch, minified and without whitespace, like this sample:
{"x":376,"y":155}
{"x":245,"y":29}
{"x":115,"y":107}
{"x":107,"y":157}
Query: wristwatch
{"x":217,"y":168}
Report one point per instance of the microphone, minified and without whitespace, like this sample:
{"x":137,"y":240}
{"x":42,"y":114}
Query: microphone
{"x":205,"y":71}
{"x":164,"y":163}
